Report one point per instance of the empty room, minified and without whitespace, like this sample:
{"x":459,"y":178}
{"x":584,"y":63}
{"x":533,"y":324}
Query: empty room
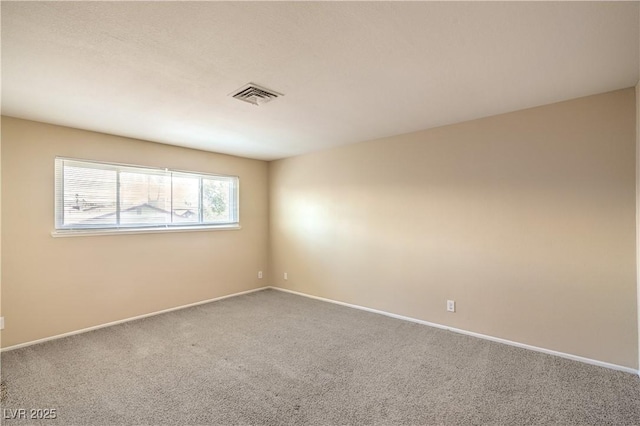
{"x":320,"y":213}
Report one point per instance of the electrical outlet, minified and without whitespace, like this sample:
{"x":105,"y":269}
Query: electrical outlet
{"x":260,"y":274}
{"x":451,"y":305}
{"x":286,"y":277}
{"x":1,"y":323}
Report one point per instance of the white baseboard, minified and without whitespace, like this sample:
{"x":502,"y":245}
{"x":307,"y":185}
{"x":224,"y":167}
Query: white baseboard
{"x":471,"y":333}
{"x":109,"y":324}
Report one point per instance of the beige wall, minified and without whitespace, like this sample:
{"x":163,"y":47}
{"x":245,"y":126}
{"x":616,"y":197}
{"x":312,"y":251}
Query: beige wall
{"x":638,"y":208}
{"x":1,"y":313}
{"x":56,"y":285}
{"x":526,"y":220}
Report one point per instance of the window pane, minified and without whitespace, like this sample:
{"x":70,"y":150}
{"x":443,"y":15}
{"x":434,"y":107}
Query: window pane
{"x":216,"y":197}
{"x":103,"y":195}
{"x":89,"y":196}
{"x":145,"y":198}
{"x":186,"y":199}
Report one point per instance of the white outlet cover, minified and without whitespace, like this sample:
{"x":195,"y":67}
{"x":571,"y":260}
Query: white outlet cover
{"x":451,"y":305}
{"x":259,"y":274}
{"x":286,"y":276}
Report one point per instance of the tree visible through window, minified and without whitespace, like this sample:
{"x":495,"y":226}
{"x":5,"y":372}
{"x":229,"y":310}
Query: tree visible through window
{"x":102,"y":195}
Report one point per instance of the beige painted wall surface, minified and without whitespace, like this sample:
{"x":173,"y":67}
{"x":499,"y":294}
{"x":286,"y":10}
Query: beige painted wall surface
{"x":526,"y":220}
{"x":638,"y":207}
{"x":1,"y":333}
{"x":56,"y":285}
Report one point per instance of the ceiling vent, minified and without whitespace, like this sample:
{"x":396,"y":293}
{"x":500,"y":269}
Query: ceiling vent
{"x":254,"y":94}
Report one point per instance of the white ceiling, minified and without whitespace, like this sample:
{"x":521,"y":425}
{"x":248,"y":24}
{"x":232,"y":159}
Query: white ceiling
{"x":162,"y":71}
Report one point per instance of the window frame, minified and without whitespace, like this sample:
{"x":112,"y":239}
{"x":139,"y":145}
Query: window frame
{"x":62,"y":230}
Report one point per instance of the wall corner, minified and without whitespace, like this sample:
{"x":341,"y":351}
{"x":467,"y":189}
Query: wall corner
{"x":638,"y":212}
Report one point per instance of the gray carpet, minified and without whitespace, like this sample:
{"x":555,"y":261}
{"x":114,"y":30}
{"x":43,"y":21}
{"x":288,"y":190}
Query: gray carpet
{"x":271,"y":358}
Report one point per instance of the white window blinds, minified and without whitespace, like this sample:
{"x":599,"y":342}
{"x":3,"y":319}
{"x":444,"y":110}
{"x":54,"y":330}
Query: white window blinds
{"x":94,"y":195}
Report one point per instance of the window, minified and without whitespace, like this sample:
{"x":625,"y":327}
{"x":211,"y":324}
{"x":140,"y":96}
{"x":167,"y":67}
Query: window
{"x":111,"y":197}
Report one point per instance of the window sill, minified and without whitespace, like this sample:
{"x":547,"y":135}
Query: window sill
{"x":117,"y":231}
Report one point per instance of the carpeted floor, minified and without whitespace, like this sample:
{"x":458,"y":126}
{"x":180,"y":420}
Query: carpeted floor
{"x":272,"y":358}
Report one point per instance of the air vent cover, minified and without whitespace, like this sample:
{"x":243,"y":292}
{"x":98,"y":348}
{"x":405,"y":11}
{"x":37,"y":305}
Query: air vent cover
{"x":254,"y":94}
